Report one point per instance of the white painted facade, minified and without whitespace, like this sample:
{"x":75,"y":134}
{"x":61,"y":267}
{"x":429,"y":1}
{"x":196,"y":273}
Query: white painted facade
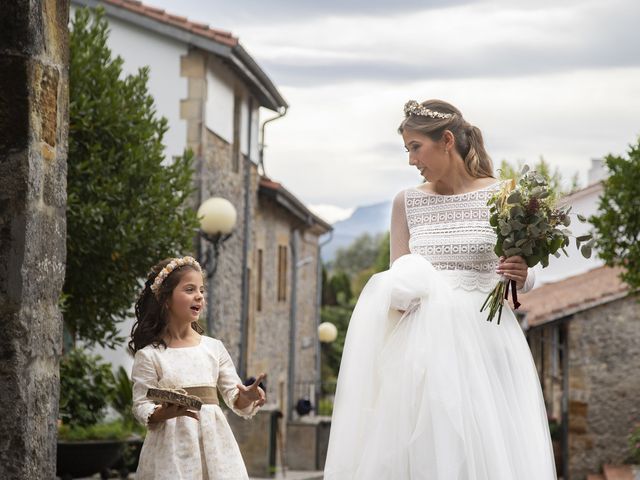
{"x":139,"y":48}
{"x":222,"y":87}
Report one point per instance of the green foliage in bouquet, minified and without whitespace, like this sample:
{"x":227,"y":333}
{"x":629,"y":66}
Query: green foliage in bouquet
{"x":529,"y":224}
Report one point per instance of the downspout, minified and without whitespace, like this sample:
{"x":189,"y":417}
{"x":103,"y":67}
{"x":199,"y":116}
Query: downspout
{"x":318,"y":321}
{"x":200,"y":156}
{"x":281,"y":113}
{"x":242,"y":363}
{"x":292,"y":321}
{"x":565,"y":400}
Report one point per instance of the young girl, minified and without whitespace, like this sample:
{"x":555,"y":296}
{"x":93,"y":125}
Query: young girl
{"x":171,"y":352}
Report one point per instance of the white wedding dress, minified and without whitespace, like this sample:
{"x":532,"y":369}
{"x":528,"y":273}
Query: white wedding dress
{"x":437,"y":392}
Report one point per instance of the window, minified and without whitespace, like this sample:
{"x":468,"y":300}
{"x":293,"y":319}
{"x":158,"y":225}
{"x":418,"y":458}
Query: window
{"x":282,"y":273}
{"x":259,"y":281}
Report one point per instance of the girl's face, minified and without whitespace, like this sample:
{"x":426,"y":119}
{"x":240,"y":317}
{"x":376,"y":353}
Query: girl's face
{"x":187,"y":299}
{"x":428,"y":156}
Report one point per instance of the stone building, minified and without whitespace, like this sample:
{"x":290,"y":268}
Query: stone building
{"x":584,"y":334}
{"x":264,"y":297}
{"x":34,"y":56}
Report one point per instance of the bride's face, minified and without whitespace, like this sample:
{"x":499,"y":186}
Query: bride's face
{"x":428,"y":156}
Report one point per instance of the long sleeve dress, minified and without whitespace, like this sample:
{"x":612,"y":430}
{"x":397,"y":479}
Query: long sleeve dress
{"x":183,"y":448}
{"x":428,"y":389}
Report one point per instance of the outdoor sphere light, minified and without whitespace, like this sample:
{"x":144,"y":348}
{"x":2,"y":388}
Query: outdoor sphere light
{"x":217,"y":216}
{"x":327,"y":332}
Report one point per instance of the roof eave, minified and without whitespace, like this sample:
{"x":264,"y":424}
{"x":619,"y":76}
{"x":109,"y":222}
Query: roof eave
{"x":559,"y":315}
{"x":261,"y":84}
{"x":290,"y":203}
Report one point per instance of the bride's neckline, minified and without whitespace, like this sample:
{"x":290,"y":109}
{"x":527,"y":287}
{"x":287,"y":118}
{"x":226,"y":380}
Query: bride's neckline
{"x":487,"y":187}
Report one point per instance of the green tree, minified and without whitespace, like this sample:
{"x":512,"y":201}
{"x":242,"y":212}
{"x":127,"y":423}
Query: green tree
{"x":382,"y":259}
{"x":617,"y":223}
{"x":126,"y":209}
{"x":359,"y":255}
{"x":332,"y":352}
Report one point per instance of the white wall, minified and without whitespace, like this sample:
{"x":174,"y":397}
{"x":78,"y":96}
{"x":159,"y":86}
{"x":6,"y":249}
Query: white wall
{"x":139,"y":48}
{"x":221,"y":87}
{"x":220,"y":98}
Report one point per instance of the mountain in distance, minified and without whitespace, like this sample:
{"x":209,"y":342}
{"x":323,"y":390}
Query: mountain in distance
{"x":372,"y":219}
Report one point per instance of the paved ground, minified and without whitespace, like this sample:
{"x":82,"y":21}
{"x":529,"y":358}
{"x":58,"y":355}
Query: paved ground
{"x":294,"y":475}
{"x":290,"y":475}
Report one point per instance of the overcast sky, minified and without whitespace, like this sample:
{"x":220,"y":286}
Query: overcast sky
{"x":554,"y":78}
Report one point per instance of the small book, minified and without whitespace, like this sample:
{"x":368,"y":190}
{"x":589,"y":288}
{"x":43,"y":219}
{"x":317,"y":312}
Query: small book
{"x":178,"y":397}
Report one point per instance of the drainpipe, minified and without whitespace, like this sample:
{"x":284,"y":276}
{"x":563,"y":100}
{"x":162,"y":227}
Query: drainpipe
{"x":292,"y":321}
{"x":244,"y":314}
{"x":565,"y":400}
{"x":282,"y":112}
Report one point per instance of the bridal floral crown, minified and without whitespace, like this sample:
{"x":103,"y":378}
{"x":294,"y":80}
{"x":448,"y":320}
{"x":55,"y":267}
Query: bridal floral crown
{"x":171,"y":266}
{"x":414,"y":108}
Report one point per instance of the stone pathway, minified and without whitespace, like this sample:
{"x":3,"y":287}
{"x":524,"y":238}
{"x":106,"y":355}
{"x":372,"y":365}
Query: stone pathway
{"x":294,"y":475}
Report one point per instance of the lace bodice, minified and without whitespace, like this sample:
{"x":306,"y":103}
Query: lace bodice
{"x":452,"y":232}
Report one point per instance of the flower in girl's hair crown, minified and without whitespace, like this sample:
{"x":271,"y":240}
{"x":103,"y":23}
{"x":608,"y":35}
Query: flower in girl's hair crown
{"x":171,"y":266}
{"x":414,"y":108}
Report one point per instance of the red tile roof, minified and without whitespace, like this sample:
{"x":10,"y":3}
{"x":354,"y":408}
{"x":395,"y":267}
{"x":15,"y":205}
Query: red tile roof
{"x":184,"y":23}
{"x":290,"y":202}
{"x":580,"y":292}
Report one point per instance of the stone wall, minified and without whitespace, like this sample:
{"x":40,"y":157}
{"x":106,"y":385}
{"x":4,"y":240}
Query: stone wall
{"x":33,"y":152}
{"x":269,"y":329}
{"x":307,"y":316}
{"x":226,"y":304}
{"x":604,"y":385}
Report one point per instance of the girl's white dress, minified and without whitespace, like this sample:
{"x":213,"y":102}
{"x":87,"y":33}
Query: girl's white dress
{"x":183,"y":448}
{"x":428,"y":389}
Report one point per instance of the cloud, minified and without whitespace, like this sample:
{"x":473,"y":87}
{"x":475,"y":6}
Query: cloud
{"x":468,"y":41}
{"x":251,"y":12}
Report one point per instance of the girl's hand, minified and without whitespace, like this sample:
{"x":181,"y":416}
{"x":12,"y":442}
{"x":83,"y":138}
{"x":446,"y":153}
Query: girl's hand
{"x":250,"y":394}
{"x":514,"y":268}
{"x":171,"y":410}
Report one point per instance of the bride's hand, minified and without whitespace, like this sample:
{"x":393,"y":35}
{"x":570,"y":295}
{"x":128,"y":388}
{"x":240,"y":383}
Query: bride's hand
{"x":513,"y":268}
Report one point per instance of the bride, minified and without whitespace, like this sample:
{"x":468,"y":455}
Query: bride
{"x":428,"y":389}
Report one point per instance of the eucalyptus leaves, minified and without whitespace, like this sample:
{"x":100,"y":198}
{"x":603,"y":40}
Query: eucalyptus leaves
{"x":528,"y":223}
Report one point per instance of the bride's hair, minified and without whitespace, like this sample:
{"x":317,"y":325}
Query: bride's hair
{"x":469,"y":144}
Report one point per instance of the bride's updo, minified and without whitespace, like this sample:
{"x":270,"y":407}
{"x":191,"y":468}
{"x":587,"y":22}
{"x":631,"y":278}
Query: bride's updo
{"x":433,"y":117}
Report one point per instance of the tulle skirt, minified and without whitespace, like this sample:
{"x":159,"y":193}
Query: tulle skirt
{"x":438,"y":392}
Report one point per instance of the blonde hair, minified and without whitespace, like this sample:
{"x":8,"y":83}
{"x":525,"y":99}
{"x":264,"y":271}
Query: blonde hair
{"x":468,"y":139}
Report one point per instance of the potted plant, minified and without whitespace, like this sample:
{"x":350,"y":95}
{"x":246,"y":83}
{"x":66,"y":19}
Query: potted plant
{"x":122,"y":403}
{"x":86,"y":444}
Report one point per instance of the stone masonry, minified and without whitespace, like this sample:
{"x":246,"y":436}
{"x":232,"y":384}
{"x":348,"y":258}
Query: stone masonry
{"x":604,"y":361}
{"x":33,"y":151}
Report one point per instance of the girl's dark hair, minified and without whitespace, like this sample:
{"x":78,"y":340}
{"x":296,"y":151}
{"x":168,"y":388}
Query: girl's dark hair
{"x":468,"y":139}
{"x":151,"y":309}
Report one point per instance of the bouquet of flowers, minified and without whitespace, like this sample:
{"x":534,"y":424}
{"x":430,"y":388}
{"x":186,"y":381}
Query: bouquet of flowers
{"x":528,"y":223}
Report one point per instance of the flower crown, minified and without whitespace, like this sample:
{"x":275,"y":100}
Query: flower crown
{"x":171,"y":266}
{"x":414,"y":108}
